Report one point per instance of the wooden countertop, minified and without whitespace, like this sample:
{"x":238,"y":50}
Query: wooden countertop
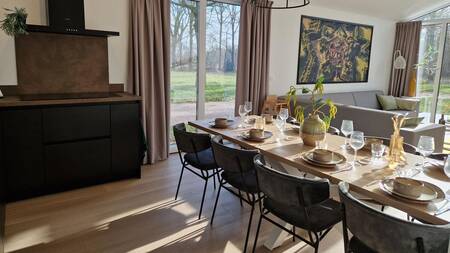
{"x":15,"y":101}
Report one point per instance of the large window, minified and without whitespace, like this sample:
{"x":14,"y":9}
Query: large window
{"x":204,"y":45}
{"x":433,"y":72}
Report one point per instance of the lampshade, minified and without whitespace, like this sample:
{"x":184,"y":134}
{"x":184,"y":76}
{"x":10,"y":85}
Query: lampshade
{"x":400,"y":61}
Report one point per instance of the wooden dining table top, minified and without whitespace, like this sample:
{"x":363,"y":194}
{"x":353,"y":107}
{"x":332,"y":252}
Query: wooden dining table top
{"x":363,"y":179}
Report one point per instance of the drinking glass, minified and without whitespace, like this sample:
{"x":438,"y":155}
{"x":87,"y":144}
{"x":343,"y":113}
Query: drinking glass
{"x":279,"y":123}
{"x":357,"y":143}
{"x":377,"y":150}
{"x":447,"y":167}
{"x":346,"y":129}
{"x":242,"y":113}
{"x":248,"y":107}
{"x":260,"y":123}
{"x":283,"y":114}
{"x":425,"y":147}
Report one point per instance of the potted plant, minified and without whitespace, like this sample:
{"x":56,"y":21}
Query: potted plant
{"x":313,"y":127}
{"x":15,"y":22}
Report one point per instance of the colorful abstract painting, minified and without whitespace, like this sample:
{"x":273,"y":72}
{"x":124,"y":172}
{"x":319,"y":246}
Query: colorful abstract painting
{"x":338,"y":51}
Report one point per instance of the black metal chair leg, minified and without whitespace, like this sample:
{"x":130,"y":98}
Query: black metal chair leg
{"x":215,"y":204}
{"x":249,"y":226}
{"x":203,"y":199}
{"x":293,"y":231}
{"x":179,"y":182}
{"x":214,"y":179}
{"x":382,"y":208}
{"x":257,"y":233}
{"x":240,"y":197}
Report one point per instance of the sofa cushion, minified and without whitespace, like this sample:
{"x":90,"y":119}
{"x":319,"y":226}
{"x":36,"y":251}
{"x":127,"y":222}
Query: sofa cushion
{"x":367,"y":99}
{"x":412,"y":122}
{"x":388,"y":103}
{"x":345,"y":98}
{"x":406,"y":104}
{"x":404,"y":113}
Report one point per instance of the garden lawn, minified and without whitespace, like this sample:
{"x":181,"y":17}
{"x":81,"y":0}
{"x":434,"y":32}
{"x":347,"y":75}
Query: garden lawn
{"x":219,"y":87}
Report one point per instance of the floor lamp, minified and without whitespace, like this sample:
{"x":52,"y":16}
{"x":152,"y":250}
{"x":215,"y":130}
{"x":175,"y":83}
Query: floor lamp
{"x":399,"y":63}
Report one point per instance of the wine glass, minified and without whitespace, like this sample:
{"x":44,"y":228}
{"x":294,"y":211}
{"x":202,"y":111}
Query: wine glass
{"x":425,"y":147}
{"x":242,"y":113}
{"x":248,"y":107}
{"x":356,"y":142}
{"x":346,"y":129}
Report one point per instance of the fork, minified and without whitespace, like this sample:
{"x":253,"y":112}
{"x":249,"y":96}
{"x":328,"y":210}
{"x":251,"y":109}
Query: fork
{"x":445,"y":207}
{"x":348,"y":168}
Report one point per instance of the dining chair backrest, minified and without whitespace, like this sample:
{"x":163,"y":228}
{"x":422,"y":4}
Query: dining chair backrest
{"x":188,"y":142}
{"x":232,"y":160}
{"x":385,"y":233}
{"x":290,"y":190}
{"x":406,"y":146}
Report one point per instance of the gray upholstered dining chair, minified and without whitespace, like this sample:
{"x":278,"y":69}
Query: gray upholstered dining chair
{"x":194,"y":150}
{"x":301,"y":202}
{"x":383,"y":233}
{"x":238,"y":171}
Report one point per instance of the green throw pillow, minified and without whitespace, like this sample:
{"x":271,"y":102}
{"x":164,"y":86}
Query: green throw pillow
{"x":412,"y":122}
{"x":388,"y":103}
{"x":405,"y":104}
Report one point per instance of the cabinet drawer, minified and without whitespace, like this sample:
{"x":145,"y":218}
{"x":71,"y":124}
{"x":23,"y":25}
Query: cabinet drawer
{"x":75,"y":123}
{"x":76,"y":164}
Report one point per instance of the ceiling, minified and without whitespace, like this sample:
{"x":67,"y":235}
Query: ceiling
{"x":390,"y":9}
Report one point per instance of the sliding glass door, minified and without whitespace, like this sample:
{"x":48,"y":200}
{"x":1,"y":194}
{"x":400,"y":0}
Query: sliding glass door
{"x":443,"y":94}
{"x":429,"y":68}
{"x":184,"y":60}
{"x":222,"y":36}
{"x":433,"y":70}
{"x":204,"y":43}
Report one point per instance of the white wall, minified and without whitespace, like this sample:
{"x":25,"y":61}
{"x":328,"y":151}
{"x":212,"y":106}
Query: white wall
{"x":284,"y":45}
{"x":111,"y":15}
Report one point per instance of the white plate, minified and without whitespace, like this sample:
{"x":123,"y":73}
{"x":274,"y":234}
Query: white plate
{"x":387,"y":186}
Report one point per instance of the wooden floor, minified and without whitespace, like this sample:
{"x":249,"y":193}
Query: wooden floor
{"x":138,"y":216}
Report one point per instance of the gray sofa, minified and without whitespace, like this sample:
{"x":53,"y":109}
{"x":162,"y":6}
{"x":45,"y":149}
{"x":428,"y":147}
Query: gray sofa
{"x":364,"y":109}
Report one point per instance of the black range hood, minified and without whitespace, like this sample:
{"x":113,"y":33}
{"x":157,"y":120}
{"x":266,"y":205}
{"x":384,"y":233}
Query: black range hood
{"x":67,"y":17}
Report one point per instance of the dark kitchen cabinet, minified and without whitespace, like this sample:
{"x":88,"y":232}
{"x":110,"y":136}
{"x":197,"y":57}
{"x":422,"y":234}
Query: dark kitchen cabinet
{"x":48,"y":149}
{"x":2,"y":192}
{"x":22,"y":153}
{"x":76,"y":164}
{"x":125,"y":143}
{"x":75,"y":123}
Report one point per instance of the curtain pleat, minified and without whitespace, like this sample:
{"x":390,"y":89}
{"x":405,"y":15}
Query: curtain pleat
{"x":253,"y":56}
{"x":149,"y":71}
{"x":407,"y":40}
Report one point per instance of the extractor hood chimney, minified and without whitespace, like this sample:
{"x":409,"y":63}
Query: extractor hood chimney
{"x":66,"y":15}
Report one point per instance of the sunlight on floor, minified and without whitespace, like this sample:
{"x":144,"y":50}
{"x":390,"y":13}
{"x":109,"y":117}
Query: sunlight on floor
{"x":188,"y":233}
{"x":29,"y":237}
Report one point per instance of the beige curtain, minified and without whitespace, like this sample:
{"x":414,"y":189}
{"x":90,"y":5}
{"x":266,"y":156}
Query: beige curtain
{"x":149,"y":71}
{"x":253,"y":58}
{"x":407,"y":39}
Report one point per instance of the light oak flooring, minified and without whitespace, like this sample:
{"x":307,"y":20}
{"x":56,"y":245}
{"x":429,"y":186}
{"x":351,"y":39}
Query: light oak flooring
{"x":139,"y":216}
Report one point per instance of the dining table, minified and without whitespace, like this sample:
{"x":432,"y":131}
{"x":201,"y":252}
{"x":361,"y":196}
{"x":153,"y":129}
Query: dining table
{"x":286,"y":147}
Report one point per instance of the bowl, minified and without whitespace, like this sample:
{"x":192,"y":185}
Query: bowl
{"x":221,"y":122}
{"x":322,"y":155}
{"x":407,"y":186}
{"x":255,"y":133}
